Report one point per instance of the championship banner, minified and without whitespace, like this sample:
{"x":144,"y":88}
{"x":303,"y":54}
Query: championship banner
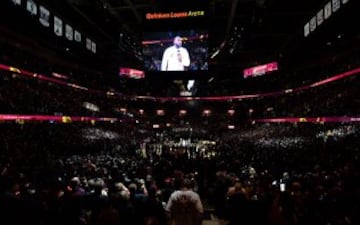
{"x":306,"y":29}
{"x":17,"y":2}
{"x":336,"y":4}
{"x":320,"y":17}
{"x":88,"y":44}
{"x":44,"y":16}
{"x":313,"y":24}
{"x":77,"y":36}
{"x":69,"y":33}
{"x":31,"y":7}
{"x":327,"y":10}
{"x":58,"y":26}
{"x":93,"y":47}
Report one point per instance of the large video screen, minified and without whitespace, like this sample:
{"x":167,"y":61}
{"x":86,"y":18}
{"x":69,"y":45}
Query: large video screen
{"x":185,"y":50}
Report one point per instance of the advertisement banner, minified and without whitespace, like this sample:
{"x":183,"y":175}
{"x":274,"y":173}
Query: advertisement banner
{"x":260,"y":70}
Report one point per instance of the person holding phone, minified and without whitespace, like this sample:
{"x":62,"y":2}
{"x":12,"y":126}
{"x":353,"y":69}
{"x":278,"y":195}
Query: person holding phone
{"x":175,"y":57}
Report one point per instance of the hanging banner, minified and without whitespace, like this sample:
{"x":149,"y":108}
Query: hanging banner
{"x":44,"y":16}
{"x":88,"y":44}
{"x":320,"y":17}
{"x":306,"y":29}
{"x":313,"y":24}
{"x":93,"y":47}
{"x":77,"y":36}
{"x":31,"y":7}
{"x":17,"y":2}
{"x":336,"y":4}
{"x":69,"y":33}
{"x":58,"y":26}
{"x":327,"y":10}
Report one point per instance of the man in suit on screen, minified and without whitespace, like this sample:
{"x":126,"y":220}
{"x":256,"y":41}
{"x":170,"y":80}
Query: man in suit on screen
{"x":175,"y":57}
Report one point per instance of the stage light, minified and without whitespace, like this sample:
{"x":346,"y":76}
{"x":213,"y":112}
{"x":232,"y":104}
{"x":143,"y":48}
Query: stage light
{"x":231,"y":112}
{"x":231,"y":127}
{"x":160,"y":112}
{"x":182,"y":112}
{"x":206,"y":112}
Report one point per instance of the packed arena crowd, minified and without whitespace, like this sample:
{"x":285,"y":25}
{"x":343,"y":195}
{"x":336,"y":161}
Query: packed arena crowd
{"x":158,"y":159}
{"x":56,"y":174}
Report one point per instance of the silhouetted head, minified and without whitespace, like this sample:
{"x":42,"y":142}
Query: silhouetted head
{"x":186,"y":183}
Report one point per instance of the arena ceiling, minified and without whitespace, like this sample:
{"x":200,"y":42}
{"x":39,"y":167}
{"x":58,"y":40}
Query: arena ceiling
{"x":249,"y":32}
{"x":253,"y":30}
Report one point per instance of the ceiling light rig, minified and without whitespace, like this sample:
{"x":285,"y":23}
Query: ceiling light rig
{"x":228,"y":29}
{"x":130,"y":45}
{"x":235,"y":39}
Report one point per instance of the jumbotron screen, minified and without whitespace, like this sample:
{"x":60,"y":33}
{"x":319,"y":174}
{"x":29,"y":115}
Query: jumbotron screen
{"x":185,"y":50}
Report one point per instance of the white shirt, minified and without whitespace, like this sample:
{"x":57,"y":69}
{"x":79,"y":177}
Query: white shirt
{"x":175,"y":59}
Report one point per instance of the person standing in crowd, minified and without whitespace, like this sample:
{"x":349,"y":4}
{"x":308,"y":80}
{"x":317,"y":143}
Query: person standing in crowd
{"x":175,"y":57}
{"x":184,"y":206}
